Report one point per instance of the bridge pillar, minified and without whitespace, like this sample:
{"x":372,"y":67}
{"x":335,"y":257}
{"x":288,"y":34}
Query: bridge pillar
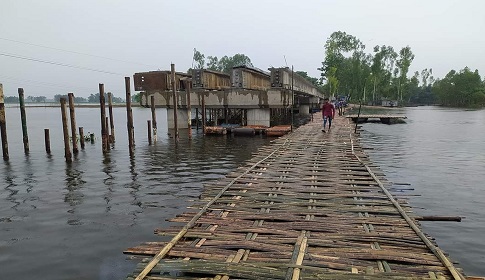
{"x":182,"y":118}
{"x":304,"y":109}
{"x":259,"y":117}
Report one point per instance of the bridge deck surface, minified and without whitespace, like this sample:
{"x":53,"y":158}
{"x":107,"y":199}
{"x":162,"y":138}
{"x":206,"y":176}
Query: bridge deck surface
{"x":307,"y":206}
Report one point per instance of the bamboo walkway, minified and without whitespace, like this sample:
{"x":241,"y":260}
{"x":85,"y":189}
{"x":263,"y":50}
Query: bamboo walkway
{"x":306,"y":207}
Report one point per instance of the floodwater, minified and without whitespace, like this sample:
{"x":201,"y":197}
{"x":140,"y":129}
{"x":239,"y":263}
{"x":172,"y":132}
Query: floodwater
{"x":72,"y":221}
{"x":440,"y":153}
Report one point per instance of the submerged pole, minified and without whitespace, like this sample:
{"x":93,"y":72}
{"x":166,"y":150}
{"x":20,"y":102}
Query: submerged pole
{"x":203,"y":113}
{"x":102,"y":104}
{"x":111,"y":119}
{"x":73,"y":123}
{"x":106,"y":124}
{"x":67,"y":148}
{"x":174,"y":94}
{"x":3,"y":125}
{"x":81,"y":137}
{"x":129,"y":117}
{"x":189,"y":108}
{"x":23,"y":118}
{"x":149,"y":124}
{"x":47,"y":141}
{"x":154,"y":118}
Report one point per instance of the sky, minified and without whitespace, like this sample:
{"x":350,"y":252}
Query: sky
{"x":57,"y":46}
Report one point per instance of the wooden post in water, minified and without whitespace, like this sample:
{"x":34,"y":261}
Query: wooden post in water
{"x":3,"y":125}
{"x":174,"y":91}
{"x":102,"y":104}
{"x":203,"y":114}
{"x":73,"y":123}
{"x":189,"y":108}
{"x":149,"y":124}
{"x":67,"y":148}
{"x":81,"y":137}
{"x":197,"y":119}
{"x":23,"y":118}
{"x":154,"y":118}
{"x":129,"y":117}
{"x":47,"y":141}
{"x":106,"y":124}
{"x":111,"y":119}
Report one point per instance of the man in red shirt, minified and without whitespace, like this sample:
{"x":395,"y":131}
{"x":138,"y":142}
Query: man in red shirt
{"x":328,"y":113}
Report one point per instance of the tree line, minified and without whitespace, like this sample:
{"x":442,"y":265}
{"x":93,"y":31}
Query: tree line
{"x":93,"y":98}
{"x":384,"y":74}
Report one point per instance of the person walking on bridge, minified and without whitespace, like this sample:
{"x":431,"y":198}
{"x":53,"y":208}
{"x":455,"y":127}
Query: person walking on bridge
{"x":328,"y":113}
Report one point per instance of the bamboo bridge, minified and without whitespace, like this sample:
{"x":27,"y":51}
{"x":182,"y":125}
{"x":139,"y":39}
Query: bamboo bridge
{"x":308,"y":206}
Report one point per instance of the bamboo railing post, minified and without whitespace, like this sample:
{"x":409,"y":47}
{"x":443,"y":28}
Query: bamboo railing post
{"x":154,"y":118}
{"x":23,"y":118}
{"x":189,"y":107}
{"x":102,"y":104}
{"x":3,"y":125}
{"x":73,"y":123}
{"x":111,"y":119}
{"x":129,"y":117}
{"x":174,"y":93}
{"x":67,"y":148}
{"x":47,"y":141}
{"x":81,"y":137}
{"x":149,"y":124}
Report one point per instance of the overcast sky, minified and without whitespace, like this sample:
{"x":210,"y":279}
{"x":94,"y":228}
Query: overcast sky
{"x":144,"y":35}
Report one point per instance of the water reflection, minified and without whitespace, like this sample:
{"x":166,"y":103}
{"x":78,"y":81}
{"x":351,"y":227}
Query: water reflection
{"x":74,"y":195}
{"x":108,"y":180}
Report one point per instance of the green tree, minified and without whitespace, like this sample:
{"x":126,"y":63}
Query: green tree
{"x":199,"y":59}
{"x":460,"y":89}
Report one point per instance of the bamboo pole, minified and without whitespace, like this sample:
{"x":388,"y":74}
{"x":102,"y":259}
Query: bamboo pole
{"x":189,"y":108}
{"x":73,"y":123}
{"x":47,"y":141}
{"x":111,"y":118}
{"x":102,"y":104}
{"x":192,"y":222}
{"x":129,"y":118}
{"x":81,"y":137}
{"x":174,"y":95}
{"x":154,"y":118}
{"x":67,"y":148}
{"x":437,"y":251}
{"x":23,"y":118}
{"x":3,"y":125}
{"x":149,"y":124}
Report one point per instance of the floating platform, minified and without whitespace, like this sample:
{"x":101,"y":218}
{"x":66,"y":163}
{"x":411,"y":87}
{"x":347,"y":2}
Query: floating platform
{"x":386,"y":119}
{"x":308,"y":206}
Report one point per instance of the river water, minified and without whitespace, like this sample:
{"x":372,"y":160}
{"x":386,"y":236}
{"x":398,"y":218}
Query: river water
{"x":441,"y":153}
{"x":72,"y":221}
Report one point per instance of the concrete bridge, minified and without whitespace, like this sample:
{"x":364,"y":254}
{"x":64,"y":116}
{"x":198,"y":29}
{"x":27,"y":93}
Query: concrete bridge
{"x":249,"y":96}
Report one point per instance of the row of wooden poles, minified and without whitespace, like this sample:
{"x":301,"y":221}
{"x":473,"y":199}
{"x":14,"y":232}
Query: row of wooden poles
{"x":107,"y":123}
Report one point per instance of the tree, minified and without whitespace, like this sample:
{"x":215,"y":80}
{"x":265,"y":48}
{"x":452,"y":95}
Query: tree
{"x":460,"y":89}
{"x":406,"y":56}
{"x":199,"y":59}
{"x":225,"y":64}
{"x":93,"y":98}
